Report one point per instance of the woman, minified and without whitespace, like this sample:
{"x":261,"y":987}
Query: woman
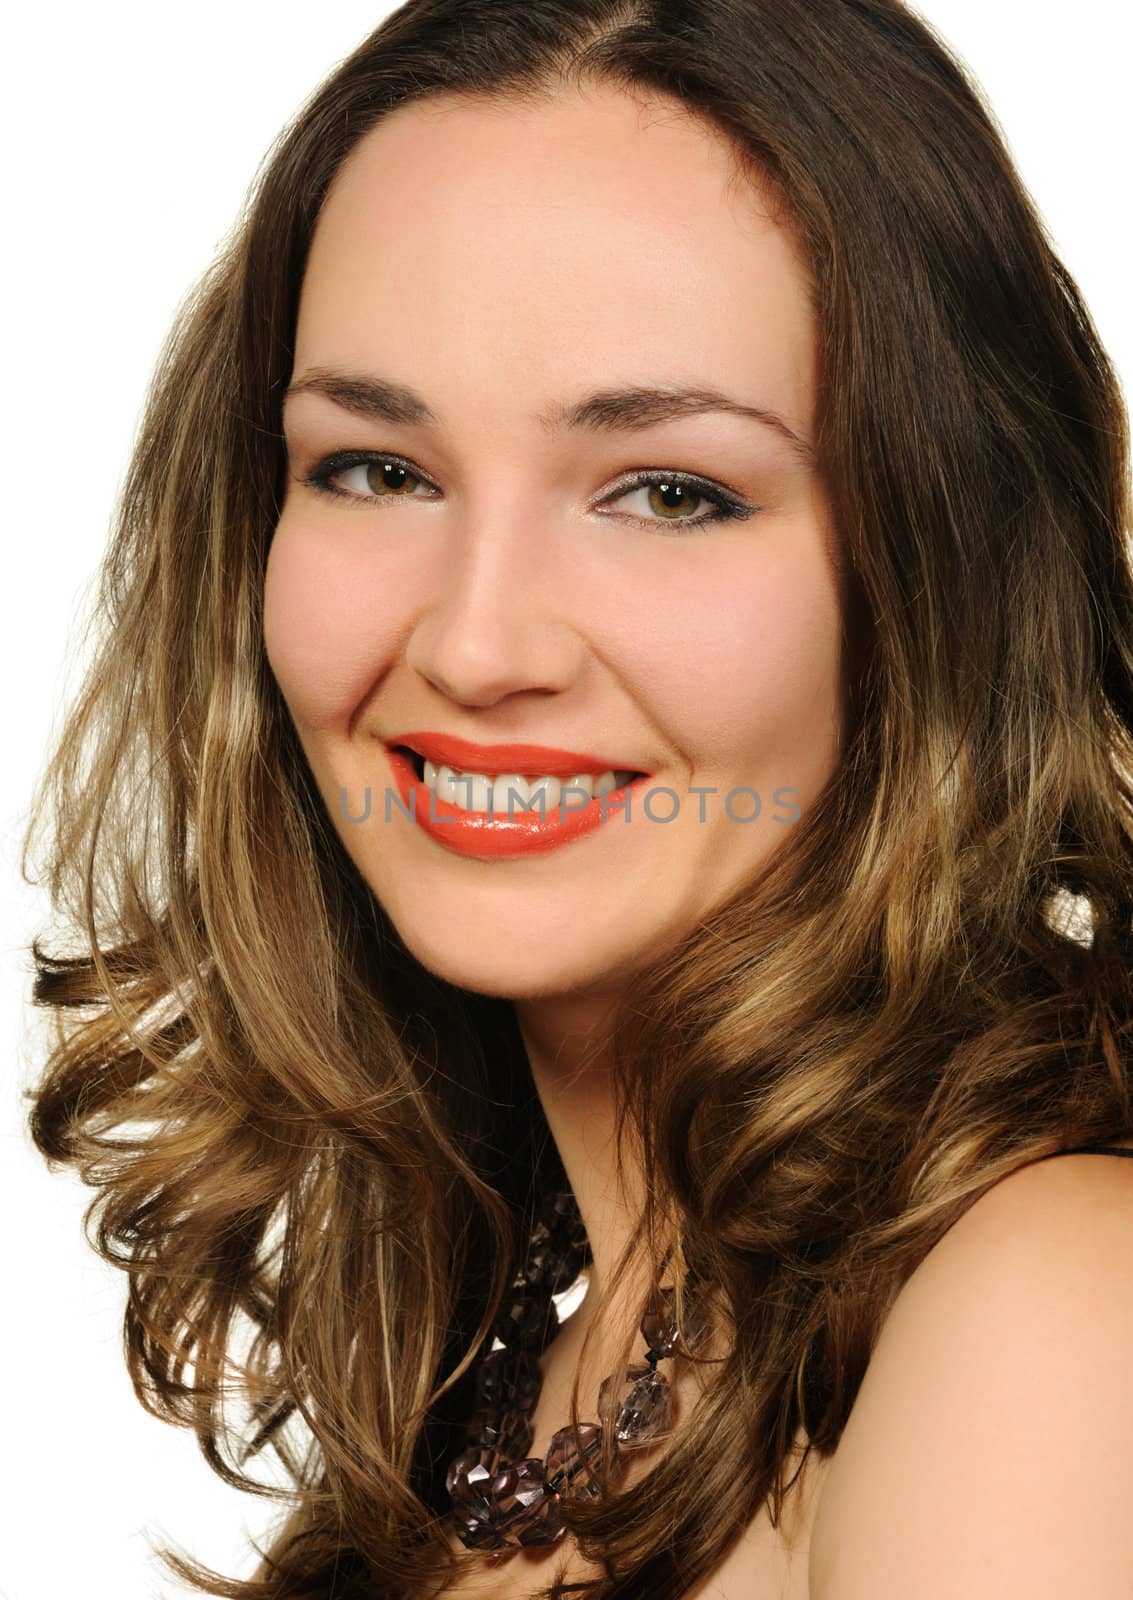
{"x":750,"y":998}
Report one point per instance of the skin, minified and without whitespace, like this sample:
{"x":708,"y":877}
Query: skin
{"x":499,"y":259}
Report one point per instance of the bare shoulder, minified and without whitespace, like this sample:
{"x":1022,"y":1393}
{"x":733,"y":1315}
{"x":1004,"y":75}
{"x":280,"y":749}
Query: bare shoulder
{"x":990,"y":1449}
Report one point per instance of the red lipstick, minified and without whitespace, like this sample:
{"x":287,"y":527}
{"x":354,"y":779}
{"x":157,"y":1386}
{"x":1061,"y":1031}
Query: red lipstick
{"x":530,"y":760}
{"x":489,"y":835}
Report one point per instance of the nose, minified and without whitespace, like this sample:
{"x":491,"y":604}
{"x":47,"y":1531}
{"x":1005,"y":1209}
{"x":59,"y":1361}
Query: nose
{"x":499,"y":622}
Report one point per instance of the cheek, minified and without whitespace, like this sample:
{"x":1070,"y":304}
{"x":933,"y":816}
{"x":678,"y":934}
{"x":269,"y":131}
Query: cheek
{"x":748,"y":665}
{"x":323,"y":629}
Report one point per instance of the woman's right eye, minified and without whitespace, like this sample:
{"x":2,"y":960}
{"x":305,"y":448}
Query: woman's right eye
{"x":377,"y":477}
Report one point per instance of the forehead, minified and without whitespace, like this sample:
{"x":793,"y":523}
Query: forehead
{"x":526,"y":249}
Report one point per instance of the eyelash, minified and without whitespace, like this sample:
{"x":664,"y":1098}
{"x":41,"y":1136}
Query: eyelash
{"x":727,"y":507}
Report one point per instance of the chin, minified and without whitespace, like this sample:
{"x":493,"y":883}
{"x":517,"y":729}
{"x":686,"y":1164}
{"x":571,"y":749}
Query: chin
{"x":512,"y":968}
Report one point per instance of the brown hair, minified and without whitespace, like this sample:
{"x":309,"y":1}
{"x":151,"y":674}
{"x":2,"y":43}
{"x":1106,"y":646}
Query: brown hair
{"x":315,"y":1178}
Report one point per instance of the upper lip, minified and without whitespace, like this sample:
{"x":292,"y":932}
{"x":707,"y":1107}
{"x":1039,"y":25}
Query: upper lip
{"x":493,"y":759}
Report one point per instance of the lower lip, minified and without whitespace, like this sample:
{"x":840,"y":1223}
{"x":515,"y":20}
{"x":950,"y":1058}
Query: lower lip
{"x":477,"y":833}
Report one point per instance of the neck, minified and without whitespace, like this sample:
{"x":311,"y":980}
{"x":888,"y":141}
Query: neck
{"x":567,"y":1043}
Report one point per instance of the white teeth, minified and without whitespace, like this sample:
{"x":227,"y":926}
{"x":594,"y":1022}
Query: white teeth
{"x":472,"y":789}
{"x":545,"y":795}
{"x":506,"y":781}
{"x":451,"y":785}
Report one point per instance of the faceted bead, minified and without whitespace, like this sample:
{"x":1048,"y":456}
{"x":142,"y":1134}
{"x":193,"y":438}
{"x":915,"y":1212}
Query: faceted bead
{"x":469,"y":1473}
{"x":638,"y":1409}
{"x":540,"y":1251}
{"x":659,"y":1324}
{"x":525,"y":1319}
{"x":564,"y":1220}
{"x":527,"y":1513}
{"x":508,"y":1435}
{"x":552,"y":1266}
{"x":476,"y":1530}
{"x":508,"y":1380}
{"x":473,"y":1513}
{"x":572,"y":1460}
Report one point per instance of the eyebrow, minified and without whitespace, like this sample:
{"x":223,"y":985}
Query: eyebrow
{"x":634,"y":406}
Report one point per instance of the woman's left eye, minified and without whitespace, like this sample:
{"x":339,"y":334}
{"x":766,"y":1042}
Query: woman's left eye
{"x":384,"y":477}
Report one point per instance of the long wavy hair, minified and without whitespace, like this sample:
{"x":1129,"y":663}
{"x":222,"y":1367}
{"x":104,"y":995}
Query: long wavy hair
{"x":313,"y":1158}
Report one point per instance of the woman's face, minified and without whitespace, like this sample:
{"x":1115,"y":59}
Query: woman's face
{"x":500,"y":580}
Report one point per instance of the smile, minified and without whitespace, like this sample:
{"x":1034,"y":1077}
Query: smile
{"x":477,"y":791}
{"x":494,"y":815}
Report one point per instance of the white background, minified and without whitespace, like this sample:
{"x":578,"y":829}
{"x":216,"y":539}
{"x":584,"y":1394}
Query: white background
{"x":131,"y":133}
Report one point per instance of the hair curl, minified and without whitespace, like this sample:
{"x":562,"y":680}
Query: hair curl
{"x":334,"y":1151}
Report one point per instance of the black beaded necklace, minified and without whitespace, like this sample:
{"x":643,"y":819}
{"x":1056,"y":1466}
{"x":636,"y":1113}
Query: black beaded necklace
{"x":501,"y":1497}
